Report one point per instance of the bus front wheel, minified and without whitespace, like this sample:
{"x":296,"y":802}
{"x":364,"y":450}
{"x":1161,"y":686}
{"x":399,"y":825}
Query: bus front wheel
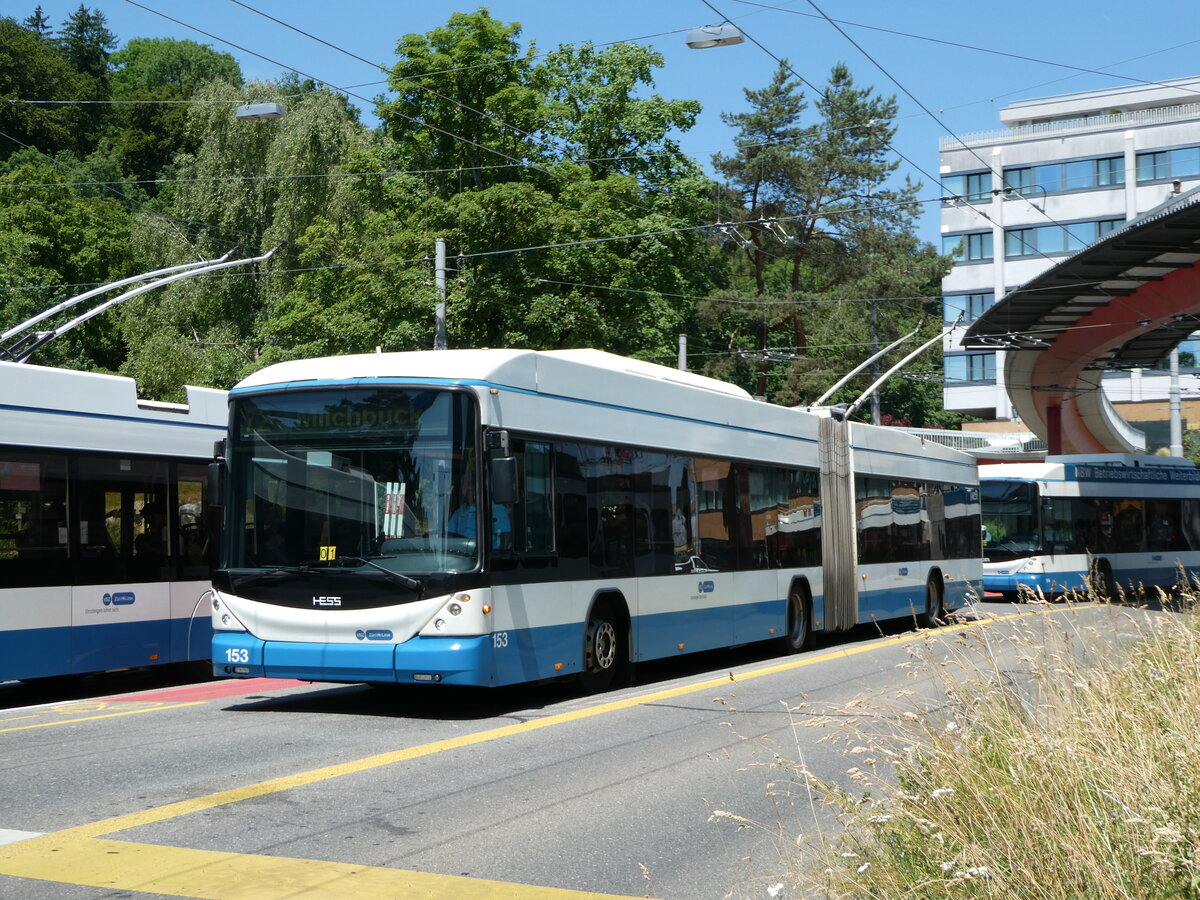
{"x":932,"y":617}
{"x":601,"y":651}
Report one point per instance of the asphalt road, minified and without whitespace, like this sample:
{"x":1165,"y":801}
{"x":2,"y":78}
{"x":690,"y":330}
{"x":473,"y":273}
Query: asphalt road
{"x":242,"y":790}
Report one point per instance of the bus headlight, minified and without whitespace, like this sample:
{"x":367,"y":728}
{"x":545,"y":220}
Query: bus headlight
{"x":454,"y":609}
{"x":440,"y":624}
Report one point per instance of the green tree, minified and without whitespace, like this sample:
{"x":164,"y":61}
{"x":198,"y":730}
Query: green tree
{"x":33,"y":69}
{"x":55,"y":241}
{"x":821,"y":231}
{"x":594,"y":108}
{"x":544,"y":251}
{"x":463,"y":101}
{"x":250,"y":185}
{"x":158,"y":73}
{"x":87,"y":43}
{"x":39,"y":22}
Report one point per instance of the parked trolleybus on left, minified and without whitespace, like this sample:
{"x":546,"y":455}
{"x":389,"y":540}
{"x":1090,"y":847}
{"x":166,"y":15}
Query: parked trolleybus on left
{"x":492,"y":517}
{"x":104,"y":557}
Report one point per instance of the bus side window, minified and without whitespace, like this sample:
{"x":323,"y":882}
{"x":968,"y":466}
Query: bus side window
{"x":193,"y":550}
{"x":33,"y":519}
{"x":536,"y":502}
{"x":124,"y":530}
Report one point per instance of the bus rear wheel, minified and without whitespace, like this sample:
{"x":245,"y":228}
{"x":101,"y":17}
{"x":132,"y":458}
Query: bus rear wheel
{"x":799,"y":621}
{"x":602,"y":646}
{"x":934,"y":611}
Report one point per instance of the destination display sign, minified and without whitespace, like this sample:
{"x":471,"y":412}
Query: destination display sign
{"x":1135,"y":475}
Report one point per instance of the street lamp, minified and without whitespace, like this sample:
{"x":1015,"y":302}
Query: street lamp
{"x":258,"y":111}
{"x":724,"y":35}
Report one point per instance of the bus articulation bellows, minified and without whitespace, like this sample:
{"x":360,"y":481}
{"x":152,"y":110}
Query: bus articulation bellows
{"x":491,"y":517}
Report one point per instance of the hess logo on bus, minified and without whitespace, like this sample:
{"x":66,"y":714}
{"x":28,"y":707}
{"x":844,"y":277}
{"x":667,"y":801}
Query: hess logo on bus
{"x":327,"y":601}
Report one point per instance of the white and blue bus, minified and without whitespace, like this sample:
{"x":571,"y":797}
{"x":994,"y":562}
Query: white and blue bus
{"x":492,"y":517}
{"x":104,"y":561}
{"x":1106,"y":521}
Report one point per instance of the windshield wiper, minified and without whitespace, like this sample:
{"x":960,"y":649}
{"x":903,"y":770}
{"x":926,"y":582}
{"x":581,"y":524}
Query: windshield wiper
{"x":302,"y":569}
{"x":411,"y":583}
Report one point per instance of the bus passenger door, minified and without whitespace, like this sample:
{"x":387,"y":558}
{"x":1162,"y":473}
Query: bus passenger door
{"x":120,"y":613}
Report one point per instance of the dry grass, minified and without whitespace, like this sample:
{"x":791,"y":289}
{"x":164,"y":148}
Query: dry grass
{"x":1066,"y":765}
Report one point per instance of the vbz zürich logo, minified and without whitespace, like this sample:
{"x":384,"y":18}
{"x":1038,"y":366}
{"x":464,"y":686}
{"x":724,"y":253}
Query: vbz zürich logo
{"x":707,"y":587}
{"x":121,"y":598}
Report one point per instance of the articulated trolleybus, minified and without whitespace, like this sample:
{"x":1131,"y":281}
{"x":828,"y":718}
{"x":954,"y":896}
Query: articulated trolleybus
{"x":1111,"y":520}
{"x":104,"y":561}
{"x":491,"y":517}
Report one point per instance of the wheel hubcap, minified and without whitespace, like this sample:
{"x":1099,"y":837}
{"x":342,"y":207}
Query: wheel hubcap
{"x":602,"y":645}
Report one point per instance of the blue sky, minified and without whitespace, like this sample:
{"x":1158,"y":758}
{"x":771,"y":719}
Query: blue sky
{"x":963,"y":88}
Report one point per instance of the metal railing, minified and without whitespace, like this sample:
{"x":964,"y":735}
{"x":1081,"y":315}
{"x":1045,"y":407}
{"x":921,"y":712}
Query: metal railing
{"x":1011,"y":444}
{"x":1157,"y":115}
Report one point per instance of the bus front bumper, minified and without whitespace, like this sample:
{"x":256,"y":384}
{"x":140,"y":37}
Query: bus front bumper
{"x":420,"y":660}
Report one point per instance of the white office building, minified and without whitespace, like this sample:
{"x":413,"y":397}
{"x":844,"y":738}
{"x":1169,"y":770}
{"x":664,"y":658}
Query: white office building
{"x":1062,"y":172}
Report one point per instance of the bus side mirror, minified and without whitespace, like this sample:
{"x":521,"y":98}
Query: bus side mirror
{"x":504,"y":479}
{"x":216,"y":475}
{"x":216,"y":483}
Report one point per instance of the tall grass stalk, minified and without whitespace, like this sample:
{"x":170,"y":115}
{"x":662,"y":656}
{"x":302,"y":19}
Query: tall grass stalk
{"x":1065,"y":765}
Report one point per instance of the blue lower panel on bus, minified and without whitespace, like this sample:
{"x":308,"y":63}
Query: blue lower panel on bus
{"x":1051,"y":583}
{"x":662,"y":635}
{"x":445,"y":660}
{"x":191,"y":639}
{"x":35,"y":653}
{"x":46,"y":652}
{"x":901,"y":603}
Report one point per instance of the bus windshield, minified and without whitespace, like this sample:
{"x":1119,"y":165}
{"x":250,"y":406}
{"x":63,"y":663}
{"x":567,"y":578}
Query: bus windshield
{"x":1010,"y":519}
{"x":365,"y":478}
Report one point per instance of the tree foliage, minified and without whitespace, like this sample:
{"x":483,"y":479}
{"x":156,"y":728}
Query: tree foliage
{"x":572,"y":216}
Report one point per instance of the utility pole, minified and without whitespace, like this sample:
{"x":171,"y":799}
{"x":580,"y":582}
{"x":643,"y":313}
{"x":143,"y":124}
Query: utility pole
{"x":439,"y":279}
{"x":1176,"y":412}
{"x":875,"y":416}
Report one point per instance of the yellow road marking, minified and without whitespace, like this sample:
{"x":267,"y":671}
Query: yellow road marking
{"x":178,"y":872}
{"x":78,"y":856}
{"x":313,"y":776}
{"x":126,"y":712}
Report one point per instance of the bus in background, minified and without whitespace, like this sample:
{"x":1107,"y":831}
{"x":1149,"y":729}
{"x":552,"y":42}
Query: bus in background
{"x":104,"y":558}
{"x":493,"y":517}
{"x":1112,"y":520}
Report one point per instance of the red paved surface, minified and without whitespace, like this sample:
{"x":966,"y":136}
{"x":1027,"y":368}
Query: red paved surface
{"x":212,"y":690}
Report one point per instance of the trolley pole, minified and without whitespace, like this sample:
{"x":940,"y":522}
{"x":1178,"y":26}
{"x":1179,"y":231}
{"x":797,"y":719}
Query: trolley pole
{"x":683,"y":353}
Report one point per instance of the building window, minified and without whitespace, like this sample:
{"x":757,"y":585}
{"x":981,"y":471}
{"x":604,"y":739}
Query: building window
{"x":968,"y":247}
{"x":969,"y":368}
{"x":1047,"y":239}
{"x":1165,"y":165}
{"x":973,"y":188}
{"x":1053,"y":178}
{"x":969,"y":306}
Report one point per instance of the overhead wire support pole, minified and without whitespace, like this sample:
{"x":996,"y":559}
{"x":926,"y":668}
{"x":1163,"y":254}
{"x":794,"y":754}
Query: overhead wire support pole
{"x":20,"y":354}
{"x":866,"y":362}
{"x":439,"y":279}
{"x":853,"y":407}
